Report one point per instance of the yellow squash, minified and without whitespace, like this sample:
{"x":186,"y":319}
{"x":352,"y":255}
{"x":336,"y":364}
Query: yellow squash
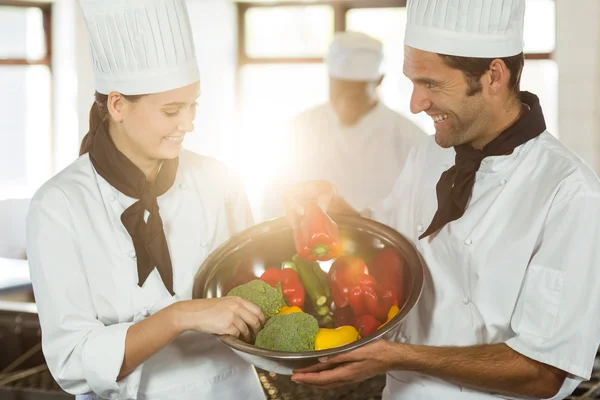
{"x":330,"y":338}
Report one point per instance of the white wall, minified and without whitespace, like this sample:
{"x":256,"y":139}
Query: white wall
{"x":578,"y":56}
{"x":73,"y":81}
{"x":215,"y":36}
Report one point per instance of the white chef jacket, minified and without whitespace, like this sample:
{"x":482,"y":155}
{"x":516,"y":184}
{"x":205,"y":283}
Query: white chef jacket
{"x":521,"y":267}
{"x":84,"y":275}
{"x":362,"y":160}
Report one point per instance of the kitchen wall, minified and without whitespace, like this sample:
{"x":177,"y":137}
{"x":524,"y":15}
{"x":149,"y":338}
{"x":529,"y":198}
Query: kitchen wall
{"x":578,"y":56}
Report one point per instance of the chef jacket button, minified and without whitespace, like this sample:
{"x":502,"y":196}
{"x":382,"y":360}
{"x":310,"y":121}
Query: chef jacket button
{"x":468,"y":242}
{"x":403,"y":339}
{"x":145,"y":313}
{"x":131,"y":254}
{"x":112,"y":198}
{"x":420,"y":228}
{"x":465,"y":300}
{"x":503,"y":182}
{"x":182,"y":186}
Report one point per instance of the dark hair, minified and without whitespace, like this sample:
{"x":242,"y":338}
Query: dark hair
{"x":474,"y":68}
{"x":99,"y":115}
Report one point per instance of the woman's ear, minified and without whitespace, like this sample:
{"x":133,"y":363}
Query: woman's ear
{"x":116,"y":104}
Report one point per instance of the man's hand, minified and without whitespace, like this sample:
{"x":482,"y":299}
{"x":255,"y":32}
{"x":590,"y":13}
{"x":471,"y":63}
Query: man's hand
{"x":351,"y":367}
{"x":320,"y":192}
{"x":490,"y":368}
{"x":323,"y":193}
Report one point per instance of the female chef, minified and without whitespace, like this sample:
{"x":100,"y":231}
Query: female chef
{"x":115,"y":239}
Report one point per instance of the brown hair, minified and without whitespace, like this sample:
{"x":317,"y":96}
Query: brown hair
{"x":474,"y":68}
{"x":99,"y":115}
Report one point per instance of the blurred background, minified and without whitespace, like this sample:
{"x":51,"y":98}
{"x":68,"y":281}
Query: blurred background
{"x":261,"y":63}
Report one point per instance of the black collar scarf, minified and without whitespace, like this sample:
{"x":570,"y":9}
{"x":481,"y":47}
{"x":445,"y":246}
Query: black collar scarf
{"x":455,"y":186}
{"x":149,"y":238}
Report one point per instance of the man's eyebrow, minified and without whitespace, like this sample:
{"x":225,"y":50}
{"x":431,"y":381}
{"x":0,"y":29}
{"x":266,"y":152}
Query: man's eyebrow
{"x":425,"y":81}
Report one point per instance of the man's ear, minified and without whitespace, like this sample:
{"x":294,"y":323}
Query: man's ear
{"x":499,"y":76}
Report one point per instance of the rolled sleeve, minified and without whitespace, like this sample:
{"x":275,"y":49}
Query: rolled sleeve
{"x":83,"y":355}
{"x":102,"y":357}
{"x":556,"y":318}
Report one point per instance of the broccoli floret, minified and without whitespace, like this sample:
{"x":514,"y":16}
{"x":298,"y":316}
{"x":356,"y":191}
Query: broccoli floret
{"x":289,"y":332}
{"x":269,"y":299}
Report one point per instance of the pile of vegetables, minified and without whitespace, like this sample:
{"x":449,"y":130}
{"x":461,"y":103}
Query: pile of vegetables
{"x":308,"y":309}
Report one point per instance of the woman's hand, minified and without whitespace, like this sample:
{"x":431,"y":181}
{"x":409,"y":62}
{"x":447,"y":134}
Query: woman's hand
{"x":223,"y":316}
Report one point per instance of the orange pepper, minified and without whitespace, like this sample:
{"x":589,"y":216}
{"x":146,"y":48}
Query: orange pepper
{"x":289,"y":310}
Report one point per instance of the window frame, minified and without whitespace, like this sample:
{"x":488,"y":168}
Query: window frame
{"x":340,"y":13}
{"x":46,"y":7}
{"x":340,"y":10}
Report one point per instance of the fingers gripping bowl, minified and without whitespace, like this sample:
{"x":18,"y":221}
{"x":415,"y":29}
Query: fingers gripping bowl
{"x":246,"y":256}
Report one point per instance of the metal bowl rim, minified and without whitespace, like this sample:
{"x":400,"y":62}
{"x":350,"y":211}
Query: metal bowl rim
{"x":248,"y":234}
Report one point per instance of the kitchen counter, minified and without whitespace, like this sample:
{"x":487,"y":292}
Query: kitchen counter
{"x":15,"y":283}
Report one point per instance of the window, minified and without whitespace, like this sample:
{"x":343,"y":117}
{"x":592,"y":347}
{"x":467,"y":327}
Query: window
{"x":25,"y":97}
{"x":281,"y":46}
{"x":293,"y":34}
{"x":268,"y":33}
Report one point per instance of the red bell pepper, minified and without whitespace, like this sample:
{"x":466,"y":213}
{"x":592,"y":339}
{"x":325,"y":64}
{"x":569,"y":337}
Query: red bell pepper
{"x":291,"y":285}
{"x":345,"y":273}
{"x":367,"y":324}
{"x":344,"y":316}
{"x":388,"y":266}
{"x":317,"y":236}
{"x":351,"y":284}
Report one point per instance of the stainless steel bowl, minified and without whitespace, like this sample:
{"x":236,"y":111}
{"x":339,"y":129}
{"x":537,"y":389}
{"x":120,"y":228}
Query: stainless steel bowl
{"x":245,"y":257}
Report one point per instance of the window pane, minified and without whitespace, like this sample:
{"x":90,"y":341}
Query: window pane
{"x":275,"y":92}
{"x":24,"y":129}
{"x":286,"y":32}
{"x":387,"y":25}
{"x":271,"y":94}
{"x":540,"y":26}
{"x":22,"y":33}
{"x":13,"y":165}
{"x":541,"y":78}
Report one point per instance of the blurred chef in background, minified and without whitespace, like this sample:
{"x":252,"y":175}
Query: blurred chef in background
{"x":354,"y":140}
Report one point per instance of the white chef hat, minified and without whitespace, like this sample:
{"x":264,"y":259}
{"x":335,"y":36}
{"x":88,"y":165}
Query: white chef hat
{"x":467,"y":28}
{"x":140,"y":46}
{"x":354,"y":56}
